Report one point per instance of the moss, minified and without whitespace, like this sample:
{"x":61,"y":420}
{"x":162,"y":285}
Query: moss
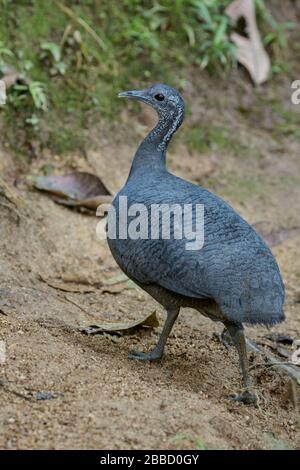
{"x":243,"y":189}
{"x":210,"y":138}
{"x":289,"y":122}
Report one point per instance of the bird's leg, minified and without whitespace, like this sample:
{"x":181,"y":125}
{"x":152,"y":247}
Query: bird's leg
{"x":158,"y":350}
{"x":225,"y":339}
{"x":236,"y":331}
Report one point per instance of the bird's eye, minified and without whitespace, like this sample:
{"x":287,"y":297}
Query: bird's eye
{"x":159,"y":97}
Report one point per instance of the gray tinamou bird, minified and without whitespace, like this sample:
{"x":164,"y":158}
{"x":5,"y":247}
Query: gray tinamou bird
{"x":233,"y":278}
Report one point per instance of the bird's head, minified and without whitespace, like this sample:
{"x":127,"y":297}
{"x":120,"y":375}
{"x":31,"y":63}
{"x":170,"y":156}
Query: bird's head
{"x":164,"y":99}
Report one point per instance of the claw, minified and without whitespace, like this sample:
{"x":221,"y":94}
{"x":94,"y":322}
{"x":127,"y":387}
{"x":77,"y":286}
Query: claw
{"x":225,"y":339}
{"x":247,"y":397}
{"x":140,"y":356}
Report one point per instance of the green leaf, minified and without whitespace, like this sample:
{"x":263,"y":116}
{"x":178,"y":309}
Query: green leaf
{"x":203,"y":11}
{"x":220,"y":33}
{"x":190,"y":34}
{"x":37,"y":92}
{"x":53,"y":48}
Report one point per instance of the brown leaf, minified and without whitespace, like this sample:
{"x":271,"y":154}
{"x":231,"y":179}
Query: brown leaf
{"x":71,"y":287}
{"x":120,"y":328}
{"x":118,"y":283}
{"x":250,"y":50}
{"x":68,"y":286}
{"x":118,"y":288}
{"x":10,"y":77}
{"x":79,"y":189}
{"x":10,"y":80}
{"x":92,"y":203}
{"x":280,"y":338}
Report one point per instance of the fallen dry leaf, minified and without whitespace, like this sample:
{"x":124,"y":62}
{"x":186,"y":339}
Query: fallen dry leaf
{"x":150,"y":321}
{"x":114,"y":285}
{"x":279,"y":338}
{"x":77,"y":189}
{"x":119,"y":278}
{"x":118,"y":283}
{"x":118,"y":287}
{"x":71,"y":286}
{"x":92,"y":203}
{"x":10,"y":79}
{"x":10,"y":76}
{"x":250,"y":50}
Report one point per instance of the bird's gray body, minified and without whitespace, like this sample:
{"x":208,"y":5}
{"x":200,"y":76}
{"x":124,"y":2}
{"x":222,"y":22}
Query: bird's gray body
{"x":234,"y":268}
{"x":232,"y":278}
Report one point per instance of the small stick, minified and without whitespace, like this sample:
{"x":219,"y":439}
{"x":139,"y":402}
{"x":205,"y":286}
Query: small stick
{"x":286,"y":368}
{"x":271,"y":364}
{"x":82,"y":23}
{"x":76,"y":305}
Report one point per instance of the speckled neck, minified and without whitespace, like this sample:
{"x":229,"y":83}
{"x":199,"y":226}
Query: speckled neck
{"x":152,"y":151}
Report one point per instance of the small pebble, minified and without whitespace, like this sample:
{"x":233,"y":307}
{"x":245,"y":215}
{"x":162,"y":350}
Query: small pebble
{"x":44,"y":396}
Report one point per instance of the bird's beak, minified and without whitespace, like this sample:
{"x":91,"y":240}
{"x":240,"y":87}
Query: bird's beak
{"x":138,"y":95}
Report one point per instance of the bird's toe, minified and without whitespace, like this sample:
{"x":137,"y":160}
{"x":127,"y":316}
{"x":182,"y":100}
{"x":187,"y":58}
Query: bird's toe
{"x":247,"y":397}
{"x":140,"y":356}
{"x":225,"y":339}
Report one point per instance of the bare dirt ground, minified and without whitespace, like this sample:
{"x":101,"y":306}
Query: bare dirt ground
{"x":52,"y":274}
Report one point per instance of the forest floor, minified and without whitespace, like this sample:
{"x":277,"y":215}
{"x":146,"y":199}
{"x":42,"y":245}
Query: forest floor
{"x":53,"y":269}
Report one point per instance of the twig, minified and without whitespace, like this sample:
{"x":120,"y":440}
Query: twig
{"x":82,"y":23}
{"x":12,"y":209}
{"x":268,"y":364}
{"x":6,"y":388}
{"x":286,"y":368}
{"x":66,"y":33}
{"x":76,"y":305}
{"x":11,"y":196}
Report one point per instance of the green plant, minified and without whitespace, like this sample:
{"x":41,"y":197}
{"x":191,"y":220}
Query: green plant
{"x":33,"y":121}
{"x":19,"y":93}
{"x":196,"y":441}
{"x":38,"y":95}
{"x":217,"y":48}
{"x":4,"y":52}
{"x":277,"y":36}
{"x":208,"y":138}
{"x":52,"y":51}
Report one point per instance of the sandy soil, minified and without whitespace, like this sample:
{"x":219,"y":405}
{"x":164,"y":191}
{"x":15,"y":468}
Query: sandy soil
{"x":97,"y":397}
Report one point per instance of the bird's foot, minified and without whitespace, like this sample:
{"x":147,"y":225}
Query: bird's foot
{"x":140,"y":356}
{"x":225,"y":339}
{"x":248,"y":397}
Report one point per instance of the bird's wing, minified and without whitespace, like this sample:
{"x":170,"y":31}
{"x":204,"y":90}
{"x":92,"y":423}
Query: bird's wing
{"x":234,"y":267}
{"x":166,"y":263}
